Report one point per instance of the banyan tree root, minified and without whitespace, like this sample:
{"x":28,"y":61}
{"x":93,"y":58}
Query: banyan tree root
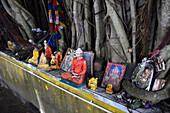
{"x":79,"y":24}
{"x":119,"y":30}
{"x":154,"y":96}
{"x":99,"y":14}
{"x":21,"y":16}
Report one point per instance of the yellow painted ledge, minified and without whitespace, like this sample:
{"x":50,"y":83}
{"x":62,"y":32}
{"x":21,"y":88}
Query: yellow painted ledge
{"x":64,"y":86}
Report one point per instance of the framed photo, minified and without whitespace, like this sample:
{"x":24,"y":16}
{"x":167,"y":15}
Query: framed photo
{"x":89,"y":56}
{"x":158,"y":84}
{"x":113,"y":75}
{"x":66,"y":64}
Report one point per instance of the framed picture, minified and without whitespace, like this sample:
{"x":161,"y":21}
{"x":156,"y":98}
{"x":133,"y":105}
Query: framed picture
{"x":66,"y":64}
{"x":89,"y":56}
{"x":158,"y":84}
{"x":113,"y":75}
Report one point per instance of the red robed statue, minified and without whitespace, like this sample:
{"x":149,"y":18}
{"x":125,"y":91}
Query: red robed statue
{"x":78,"y":70}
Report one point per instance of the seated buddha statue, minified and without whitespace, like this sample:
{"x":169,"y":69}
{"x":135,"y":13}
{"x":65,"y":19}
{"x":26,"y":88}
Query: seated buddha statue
{"x":34,"y":59}
{"x":43,"y":62}
{"x":78,"y":70}
{"x":109,"y":89}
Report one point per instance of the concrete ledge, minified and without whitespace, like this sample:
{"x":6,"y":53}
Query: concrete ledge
{"x":48,"y":94}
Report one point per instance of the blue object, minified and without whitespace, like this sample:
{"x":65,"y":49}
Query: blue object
{"x":69,"y":82}
{"x":58,"y":35}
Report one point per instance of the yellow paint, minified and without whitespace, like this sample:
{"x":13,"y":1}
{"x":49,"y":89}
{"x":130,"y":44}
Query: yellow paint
{"x":20,"y":72}
{"x":46,"y":87}
{"x":69,"y":88}
{"x":76,"y":111}
{"x":89,"y":108}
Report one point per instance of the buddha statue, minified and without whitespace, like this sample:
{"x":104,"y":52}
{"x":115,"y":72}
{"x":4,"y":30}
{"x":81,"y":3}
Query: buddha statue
{"x":43,"y":62}
{"x":93,"y":83}
{"x":34,"y":59}
{"x":78,"y":70}
{"x":109,"y":89}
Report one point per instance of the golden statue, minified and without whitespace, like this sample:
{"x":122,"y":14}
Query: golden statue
{"x":43,"y":61}
{"x":93,"y":83}
{"x":34,"y":59}
{"x":109,"y":89}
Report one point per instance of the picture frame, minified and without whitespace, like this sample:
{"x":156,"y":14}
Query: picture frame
{"x":89,"y":57}
{"x":113,"y":75}
{"x":66,"y":64}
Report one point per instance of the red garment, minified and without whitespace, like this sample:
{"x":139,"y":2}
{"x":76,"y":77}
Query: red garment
{"x":79,"y":67}
{"x":48,"y":52}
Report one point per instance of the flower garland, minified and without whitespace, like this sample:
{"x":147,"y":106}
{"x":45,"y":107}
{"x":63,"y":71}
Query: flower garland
{"x":56,"y":15}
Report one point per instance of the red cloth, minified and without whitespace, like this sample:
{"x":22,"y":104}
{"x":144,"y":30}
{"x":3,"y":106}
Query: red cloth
{"x":48,"y":52}
{"x":79,"y":67}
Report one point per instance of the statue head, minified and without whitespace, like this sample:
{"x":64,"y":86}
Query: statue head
{"x":79,"y":53}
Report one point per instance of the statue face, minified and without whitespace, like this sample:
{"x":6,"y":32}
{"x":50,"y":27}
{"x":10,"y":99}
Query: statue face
{"x":79,"y":54}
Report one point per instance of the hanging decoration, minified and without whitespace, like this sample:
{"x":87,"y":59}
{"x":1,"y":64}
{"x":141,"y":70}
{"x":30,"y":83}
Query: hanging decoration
{"x":56,"y":18}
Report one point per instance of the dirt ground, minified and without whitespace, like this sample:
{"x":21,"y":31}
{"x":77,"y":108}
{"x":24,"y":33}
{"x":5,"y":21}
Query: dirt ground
{"x":9,"y":103}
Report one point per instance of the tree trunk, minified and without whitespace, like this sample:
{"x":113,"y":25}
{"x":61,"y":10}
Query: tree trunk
{"x":100,"y":31}
{"x":163,"y":8}
{"x":87,"y":14}
{"x":133,"y":20}
{"x":16,"y":13}
{"x":119,"y":30}
{"x":79,"y":24}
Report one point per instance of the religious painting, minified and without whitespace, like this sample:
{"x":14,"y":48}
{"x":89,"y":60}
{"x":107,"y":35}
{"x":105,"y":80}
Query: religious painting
{"x":143,"y":74}
{"x":89,"y":56}
{"x":66,"y":64}
{"x":113,"y":75}
{"x":158,"y":84}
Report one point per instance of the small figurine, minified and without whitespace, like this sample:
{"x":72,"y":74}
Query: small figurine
{"x":11,"y":46}
{"x":93,"y":83}
{"x":59,"y":57}
{"x":43,"y":62}
{"x":48,"y":51}
{"x":34,"y":59}
{"x":78,"y":70}
{"x":54,"y":62}
{"x":109,"y":89}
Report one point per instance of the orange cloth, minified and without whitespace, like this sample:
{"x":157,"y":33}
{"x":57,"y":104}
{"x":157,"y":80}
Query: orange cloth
{"x":48,"y":52}
{"x":79,"y":67}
